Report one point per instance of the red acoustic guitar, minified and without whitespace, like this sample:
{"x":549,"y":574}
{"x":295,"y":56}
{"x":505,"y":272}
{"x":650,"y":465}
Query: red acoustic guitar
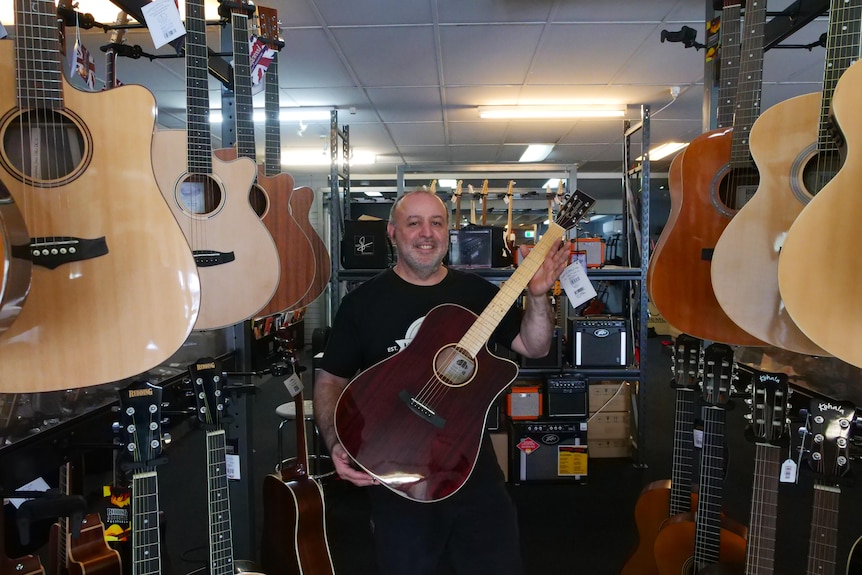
{"x":717,"y":175}
{"x":691,"y":543}
{"x":663,"y":499}
{"x":294,"y":512}
{"x":437,"y":391}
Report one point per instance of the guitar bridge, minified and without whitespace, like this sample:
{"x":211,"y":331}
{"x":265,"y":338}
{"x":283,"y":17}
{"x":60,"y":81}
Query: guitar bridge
{"x":53,"y":252}
{"x":209,"y":258}
{"x":422,"y":410}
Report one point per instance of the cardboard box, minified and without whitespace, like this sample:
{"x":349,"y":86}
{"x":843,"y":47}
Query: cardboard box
{"x":609,"y":425}
{"x":500,"y":442}
{"x":609,"y":448}
{"x":602,"y":391}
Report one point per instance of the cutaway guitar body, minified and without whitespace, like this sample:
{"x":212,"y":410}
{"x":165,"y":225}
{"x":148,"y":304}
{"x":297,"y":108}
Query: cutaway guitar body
{"x":301,"y":201}
{"x":89,"y":554}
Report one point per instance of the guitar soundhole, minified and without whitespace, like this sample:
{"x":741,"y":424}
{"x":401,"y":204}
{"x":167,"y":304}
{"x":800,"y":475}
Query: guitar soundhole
{"x":820,"y":169}
{"x":200,"y":194}
{"x":737,"y":187}
{"x":45,"y":147}
{"x":454,"y":366}
{"x":258,"y":200}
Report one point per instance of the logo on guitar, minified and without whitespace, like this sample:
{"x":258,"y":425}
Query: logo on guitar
{"x":363,"y":246}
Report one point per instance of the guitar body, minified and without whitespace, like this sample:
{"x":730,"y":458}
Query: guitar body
{"x":96,"y":318}
{"x":854,"y":560}
{"x":294,"y":249}
{"x":674,"y":181}
{"x":816,"y":275}
{"x":745,"y":262}
{"x":27,"y":565}
{"x":680,"y":281}
{"x":294,"y":529}
{"x":234,"y":291}
{"x":89,"y":554}
{"x":424,"y":461}
{"x":15,"y":278}
{"x":301,"y":201}
{"x":674,"y":545}
{"x":651,"y":512}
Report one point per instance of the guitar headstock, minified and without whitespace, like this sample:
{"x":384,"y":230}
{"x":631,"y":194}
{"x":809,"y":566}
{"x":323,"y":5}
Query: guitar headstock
{"x":268,"y":24}
{"x":228,"y":7}
{"x":829,"y":427}
{"x":573,"y":208}
{"x":719,"y":371}
{"x":208,"y":384}
{"x":484,"y":190}
{"x":769,"y":394}
{"x":458,"y":188}
{"x":433,"y":188}
{"x":140,"y":421}
{"x":687,"y":357}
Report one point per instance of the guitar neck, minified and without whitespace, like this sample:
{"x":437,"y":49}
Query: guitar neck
{"x":683,"y":447}
{"x":760,"y":552}
{"x":199,"y":144}
{"x":146,"y":555}
{"x":245,"y":147}
{"x":750,"y":83}
{"x":480,"y":332}
{"x":842,"y":49}
{"x":731,"y":27}
{"x":710,"y":494}
{"x":272,"y":127}
{"x":37,"y":56}
{"x":823,"y":543}
{"x":218,"y":498}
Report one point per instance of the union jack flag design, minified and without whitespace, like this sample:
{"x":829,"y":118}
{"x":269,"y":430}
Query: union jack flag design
{"x":83,"y":64}
{"x":260,"y":57}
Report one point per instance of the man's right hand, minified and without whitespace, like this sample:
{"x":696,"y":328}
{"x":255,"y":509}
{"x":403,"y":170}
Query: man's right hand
{"x":345,"y":469}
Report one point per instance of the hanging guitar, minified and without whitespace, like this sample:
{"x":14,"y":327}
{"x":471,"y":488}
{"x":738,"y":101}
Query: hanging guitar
{"x":110,"y":268}
{"x":667,"y":498}
{"x":438,"y":390}
{"x":829,"y":428}
{"x":456,"y":198}
{"x":236,"y":257}
{"x":693,"y":542}
{"x":509,"y":235}
{"x":294,"y":508}
{"x":270,"y":194}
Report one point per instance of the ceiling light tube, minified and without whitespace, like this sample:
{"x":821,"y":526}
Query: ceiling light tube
{"x":536,"y":152}
{"x":664,"y":150}
{"x":550,"y":112}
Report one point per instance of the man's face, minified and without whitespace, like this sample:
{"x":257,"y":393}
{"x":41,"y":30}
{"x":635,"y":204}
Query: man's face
{"x":420,"y":231}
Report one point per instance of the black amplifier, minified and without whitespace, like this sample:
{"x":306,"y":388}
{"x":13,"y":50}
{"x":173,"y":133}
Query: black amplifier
{"x":566,"y":396}
{"x":598,"y":342}
{"x":548,"y":452}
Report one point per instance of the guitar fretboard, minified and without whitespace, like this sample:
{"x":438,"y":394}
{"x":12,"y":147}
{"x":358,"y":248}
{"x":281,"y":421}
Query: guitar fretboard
{"x":272,"y":126}
{"x":731,"y":26}
{"x":197,"y":91}
{"x":760,"y":550}
{"x":824,"y":531}
{"x":842,"y":49}
{"x":242,"y":88}
{"x":146,"y":555}
{"x":683,"y":446}
{"x":218,"y":497}
{"x":710,"y":497}
{"x":750,"y":82}
{"x":37,"y":56}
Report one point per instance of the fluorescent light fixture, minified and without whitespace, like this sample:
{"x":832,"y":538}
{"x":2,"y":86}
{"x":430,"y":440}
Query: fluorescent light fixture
{"x":316,"y":157}
{"x":536,"y":152}
{"x":284,"y":115}
{"x":372,"y":193}
{"x":447,"y":183}
{"x":551,"y":112}
{"x":664,"y":150}
{"x":552,"y":184}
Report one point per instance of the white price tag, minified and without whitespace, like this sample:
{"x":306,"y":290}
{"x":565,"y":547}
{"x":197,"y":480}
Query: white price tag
{"x":293,"y":385}
{"x":163,"y":21}
{"x":697,"y":438}
{"x":232,"y":464}
{"x":37,"y":484}
{"x":578,"y":286}
{"x":788,"y":471}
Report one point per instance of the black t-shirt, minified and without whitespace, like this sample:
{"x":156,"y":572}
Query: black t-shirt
{"x":381,"y":316}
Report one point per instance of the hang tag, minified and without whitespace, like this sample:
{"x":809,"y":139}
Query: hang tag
{"x":232,"y":464}
{"x":697,"y":438}
{"x":163,"y":21}
{"x":577,"y":285}
{"x":3,"y":32}
{"x":788,"y":471}
{"x":293,"y":385}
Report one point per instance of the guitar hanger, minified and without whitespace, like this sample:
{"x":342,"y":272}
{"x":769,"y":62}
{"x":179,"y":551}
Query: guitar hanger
{"x":49,"y":504}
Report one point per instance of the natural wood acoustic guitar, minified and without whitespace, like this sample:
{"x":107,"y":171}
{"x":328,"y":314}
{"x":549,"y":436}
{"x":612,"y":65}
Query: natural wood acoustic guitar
{"x":667,"y":498}
{"x":796,"y":156}
{"x":693,"y":542}
{"x":294,"y":539}
{"x":270,"y":194}
{"x":717,"y":176}
{"x":236,"y":257}
{"x":817,"y":276}
{"x":437,"y":391}
{"x":114,"y":290}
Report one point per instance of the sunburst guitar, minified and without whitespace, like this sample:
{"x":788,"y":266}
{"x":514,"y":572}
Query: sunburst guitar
{"x":235,"y":254}
{"x":796,"y":155}
{"x":114,"y":289}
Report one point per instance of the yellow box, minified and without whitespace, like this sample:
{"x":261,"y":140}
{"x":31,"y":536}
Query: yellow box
{"x":609,"y":425}
{"x":602,"y":391}
{"x":608,"y":448}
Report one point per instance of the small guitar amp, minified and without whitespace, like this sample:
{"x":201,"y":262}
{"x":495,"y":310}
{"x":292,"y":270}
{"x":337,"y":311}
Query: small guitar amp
{"x":566,"y":396}
{"x":598,"y":342}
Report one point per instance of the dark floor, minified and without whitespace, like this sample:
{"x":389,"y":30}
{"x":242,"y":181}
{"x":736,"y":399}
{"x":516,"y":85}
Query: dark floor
{"x":565,"y":528}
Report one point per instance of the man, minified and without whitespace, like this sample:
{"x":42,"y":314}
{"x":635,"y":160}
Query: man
{"x":473,"y":531}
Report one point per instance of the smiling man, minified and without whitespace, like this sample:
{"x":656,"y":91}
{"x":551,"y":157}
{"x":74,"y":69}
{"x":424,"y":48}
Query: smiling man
{"x":475,"y":530}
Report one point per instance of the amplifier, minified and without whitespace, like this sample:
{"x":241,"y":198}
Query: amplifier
{"x":598,"y":342}
{"x":524,"y":402}
{"x":548,"y":452}
{"x":566,"y":396}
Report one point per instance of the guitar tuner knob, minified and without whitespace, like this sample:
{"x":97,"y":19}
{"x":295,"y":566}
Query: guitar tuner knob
{"x":115,"y":427}
{"x":166,"y":438}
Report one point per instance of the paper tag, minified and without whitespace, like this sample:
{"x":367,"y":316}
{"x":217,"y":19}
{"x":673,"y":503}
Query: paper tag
{"x":163,"y":21}
{"x":697,"y":438}
{"x":232,"y":466}
{"x":37,"y":484}
{"x":578,"y":286}
{"x":788,"y":471}
{"x":293,"y":385}
{"x":3,"y":32}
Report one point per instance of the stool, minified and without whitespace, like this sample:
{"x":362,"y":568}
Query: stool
{"x":287,"y":413}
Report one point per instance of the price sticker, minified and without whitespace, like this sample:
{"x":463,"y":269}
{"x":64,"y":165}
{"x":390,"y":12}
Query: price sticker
{"x":293,"y":385}
{"x":577,"y":285}
{"x":697,"y":438}
{"x":163,"y":21}
{"x":232,"y":465}
{"x":788,"y":471}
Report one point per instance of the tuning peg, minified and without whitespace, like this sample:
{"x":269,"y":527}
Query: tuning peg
{"x":748,"y":417}
{"x":115,"y":427}
{"x":166,"y":439}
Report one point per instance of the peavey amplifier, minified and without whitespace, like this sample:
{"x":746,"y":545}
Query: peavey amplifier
{"x":598,"y":342}
{"x":566,"y":396}
{"x":548,"y":452}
